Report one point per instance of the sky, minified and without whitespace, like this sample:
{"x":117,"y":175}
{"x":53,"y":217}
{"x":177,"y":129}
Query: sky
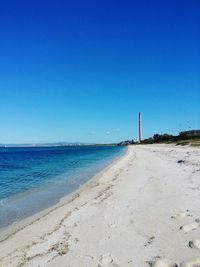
{"x":80,"y":71}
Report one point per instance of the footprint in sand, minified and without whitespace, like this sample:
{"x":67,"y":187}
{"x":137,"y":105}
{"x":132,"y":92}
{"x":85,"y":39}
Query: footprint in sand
{"x":181,"y":215}
{"x":150,"y":240}
{"x":162,"y":262}
{"x":189,"y":227}
{"x":112,"y":225}
{"x":194,"y":244}
{"x":88,"y":257}
{"x":106,"y":260}
{"x":191,"y":263}
{"x":107,"y":238}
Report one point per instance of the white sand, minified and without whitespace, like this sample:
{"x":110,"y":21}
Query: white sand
{"x":144,"y":210}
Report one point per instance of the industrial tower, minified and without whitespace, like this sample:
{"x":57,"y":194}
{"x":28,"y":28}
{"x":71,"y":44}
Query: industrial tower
{"x":140,"y":127}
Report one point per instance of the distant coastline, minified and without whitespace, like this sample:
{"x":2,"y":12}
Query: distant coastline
{"x":53,"y":145}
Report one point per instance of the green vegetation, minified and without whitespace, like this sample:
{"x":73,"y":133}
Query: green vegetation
{"x":182,"y":139}
{"x":189,"y":141}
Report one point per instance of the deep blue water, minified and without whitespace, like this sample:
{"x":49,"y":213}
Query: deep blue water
{"x":34,"y":178}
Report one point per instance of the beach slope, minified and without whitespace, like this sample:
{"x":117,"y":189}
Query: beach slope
{"x":143,"y":210}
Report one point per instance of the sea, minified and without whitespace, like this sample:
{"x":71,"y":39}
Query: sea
{"x":35,"y":178}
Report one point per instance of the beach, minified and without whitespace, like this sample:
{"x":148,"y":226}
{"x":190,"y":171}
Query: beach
{"x":142,"y":210}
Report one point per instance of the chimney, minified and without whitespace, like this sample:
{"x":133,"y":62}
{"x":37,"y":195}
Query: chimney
{"x":140,"y":127}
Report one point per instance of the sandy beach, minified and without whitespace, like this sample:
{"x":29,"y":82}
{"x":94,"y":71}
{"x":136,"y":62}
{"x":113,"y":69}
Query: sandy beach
{"x":143,"y":210}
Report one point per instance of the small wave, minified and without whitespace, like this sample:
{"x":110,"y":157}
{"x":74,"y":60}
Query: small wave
{"x":2,"y":202}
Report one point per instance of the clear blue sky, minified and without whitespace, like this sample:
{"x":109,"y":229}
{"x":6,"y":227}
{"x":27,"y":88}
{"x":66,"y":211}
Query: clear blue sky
{"x":82,"y":70}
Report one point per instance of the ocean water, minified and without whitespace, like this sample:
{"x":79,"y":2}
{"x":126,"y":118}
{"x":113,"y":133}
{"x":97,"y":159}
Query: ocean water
{"x":35,"y":178}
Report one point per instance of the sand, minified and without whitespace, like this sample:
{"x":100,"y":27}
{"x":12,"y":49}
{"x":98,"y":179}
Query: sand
{"x":143,"y":210}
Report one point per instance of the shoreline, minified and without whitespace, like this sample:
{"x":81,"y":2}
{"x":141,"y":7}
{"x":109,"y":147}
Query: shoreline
{"x":6,"y":232}
{"x":142,"y":211}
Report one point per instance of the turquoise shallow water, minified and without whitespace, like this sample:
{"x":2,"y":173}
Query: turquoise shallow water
{"x":34,"y":178}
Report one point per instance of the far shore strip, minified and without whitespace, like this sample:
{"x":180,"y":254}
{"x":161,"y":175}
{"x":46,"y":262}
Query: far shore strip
{"x":142,"y":211}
